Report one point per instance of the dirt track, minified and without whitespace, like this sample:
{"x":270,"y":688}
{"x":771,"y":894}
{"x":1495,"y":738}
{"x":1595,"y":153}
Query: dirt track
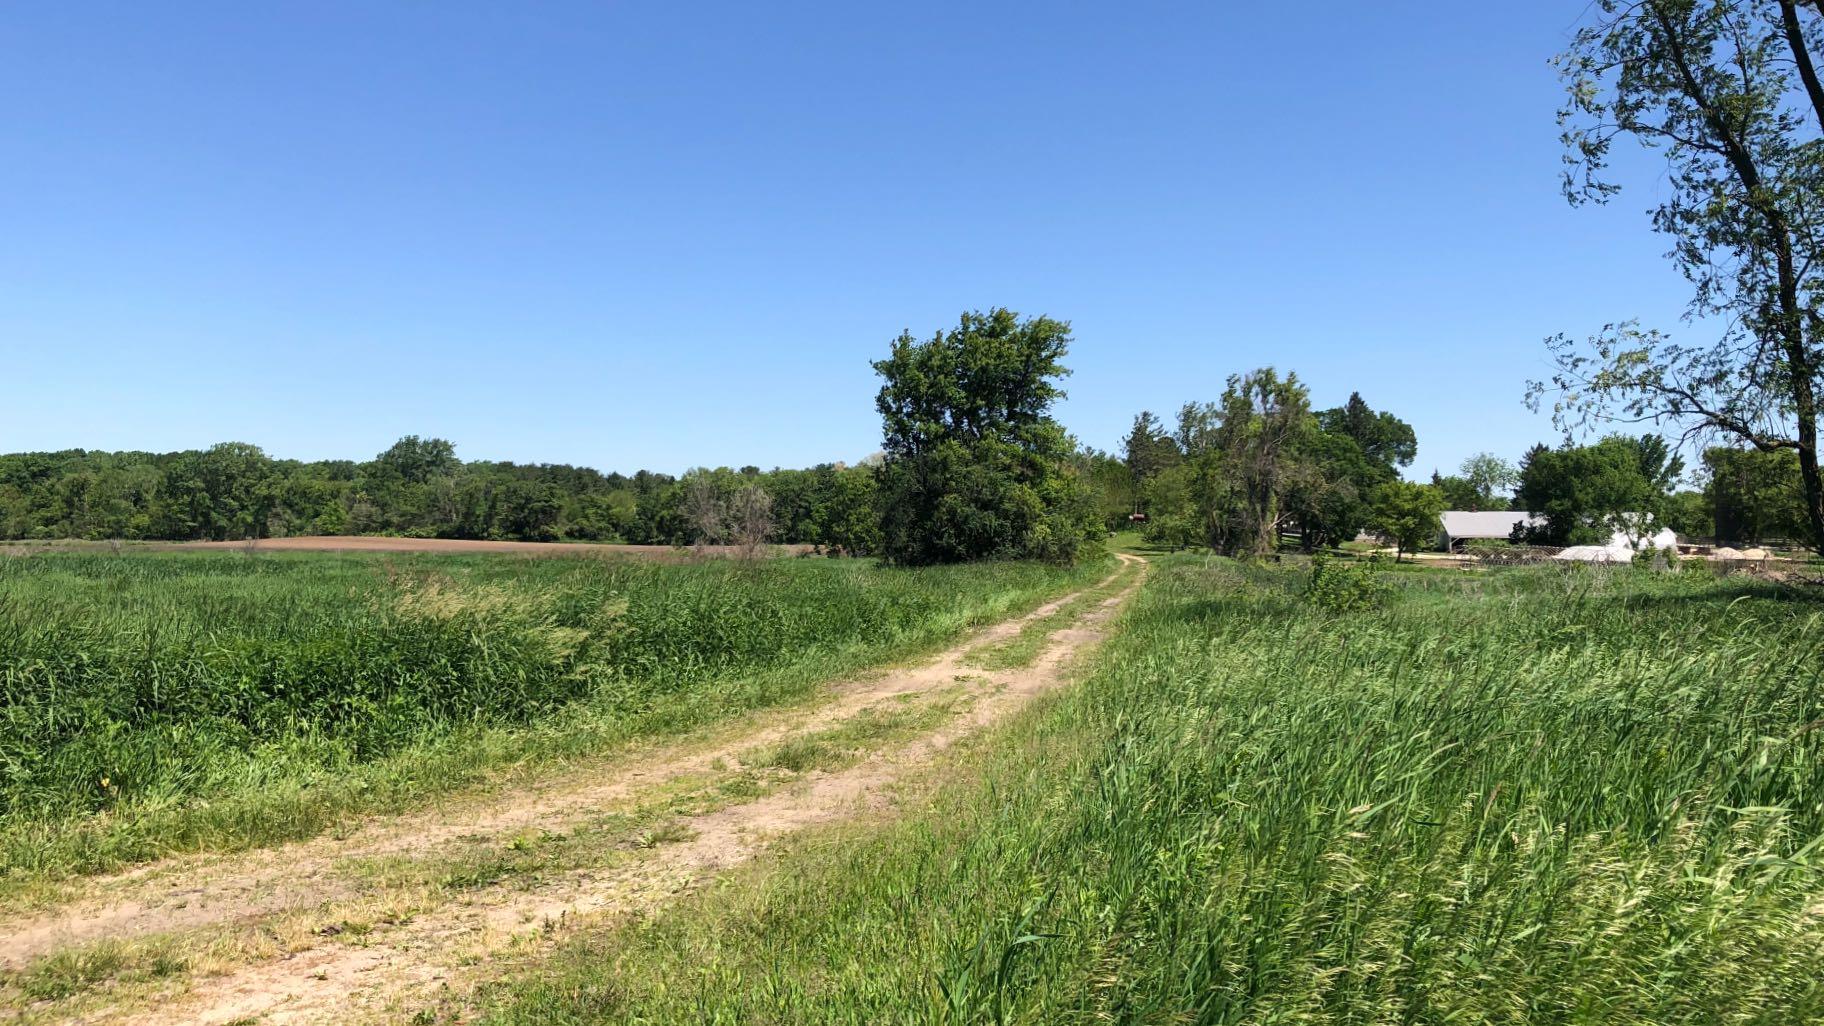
{"x":366,"y":925}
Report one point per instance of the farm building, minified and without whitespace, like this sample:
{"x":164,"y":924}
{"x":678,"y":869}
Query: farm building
{"x":1465,"y":526}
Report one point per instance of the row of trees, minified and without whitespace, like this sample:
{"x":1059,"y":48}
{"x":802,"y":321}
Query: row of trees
{"x":418,"y":488}
{"x":1259,"y":468}
{"x":1259,"y":462}
{"x":1582,"y":494}
{"x":974,"y":467}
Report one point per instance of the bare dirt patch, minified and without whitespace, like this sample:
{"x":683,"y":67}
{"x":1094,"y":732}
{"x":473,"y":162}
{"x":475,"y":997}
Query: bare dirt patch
{"x":258,"y":914}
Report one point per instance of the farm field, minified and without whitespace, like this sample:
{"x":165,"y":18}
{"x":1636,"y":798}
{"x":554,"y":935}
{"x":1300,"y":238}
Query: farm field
{"x":167,"y":702}
{"x":1544,"y":794}
{"x":386,"y":912}
{"x":1533,"y":795}
{"x":914,"y":515}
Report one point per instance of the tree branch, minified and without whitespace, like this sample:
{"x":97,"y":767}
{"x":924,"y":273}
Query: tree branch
{"x":1795,"y":38}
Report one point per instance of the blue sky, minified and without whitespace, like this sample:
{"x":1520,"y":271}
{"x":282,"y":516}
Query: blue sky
{"x":662,"y":235}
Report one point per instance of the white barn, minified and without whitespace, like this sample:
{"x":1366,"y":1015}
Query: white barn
{"x":1461,"y":526}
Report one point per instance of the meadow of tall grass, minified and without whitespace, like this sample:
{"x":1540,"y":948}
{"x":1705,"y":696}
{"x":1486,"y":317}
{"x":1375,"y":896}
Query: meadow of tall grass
{"x":1536,"y":795}
{"x":159,"y":702}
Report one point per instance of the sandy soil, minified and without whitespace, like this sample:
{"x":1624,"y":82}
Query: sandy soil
{"x":292,"y":973}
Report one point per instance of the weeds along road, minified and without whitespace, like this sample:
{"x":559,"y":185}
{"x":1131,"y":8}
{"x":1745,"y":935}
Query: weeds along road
{"x":405,"y":910}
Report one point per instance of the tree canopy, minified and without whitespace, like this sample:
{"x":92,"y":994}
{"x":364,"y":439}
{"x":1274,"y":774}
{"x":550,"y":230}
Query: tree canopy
{"x":1149,"y":448}
{"x":1582,"y":495}
{"x":1753,"y":496}
{"x":1728,"y":92}
{"x":1407,"y":514}
{"x":1237,"y":472}
{"x":975,"y":466}
{"x":417,"y":487}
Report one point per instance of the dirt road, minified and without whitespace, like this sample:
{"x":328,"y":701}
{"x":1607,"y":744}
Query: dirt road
{"x":405,"y":910}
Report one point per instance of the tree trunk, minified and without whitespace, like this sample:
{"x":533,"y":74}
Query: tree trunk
{"x":1790,"y":323}
{"x":1808,"y":470}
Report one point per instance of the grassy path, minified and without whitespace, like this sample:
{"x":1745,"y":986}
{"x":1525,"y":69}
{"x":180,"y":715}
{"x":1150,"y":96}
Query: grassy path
{"x":386,"y":917}
{"x":1540,"y":795}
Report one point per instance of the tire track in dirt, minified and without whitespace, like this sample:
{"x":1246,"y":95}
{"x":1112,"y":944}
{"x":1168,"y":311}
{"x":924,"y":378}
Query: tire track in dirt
{"x":336,"y":981}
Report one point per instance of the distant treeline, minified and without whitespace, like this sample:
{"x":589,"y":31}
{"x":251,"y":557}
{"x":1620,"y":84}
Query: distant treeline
{"x":416,"y":488}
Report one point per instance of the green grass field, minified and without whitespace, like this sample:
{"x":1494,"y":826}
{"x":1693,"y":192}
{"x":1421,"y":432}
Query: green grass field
{"x":180,"y":701}
{"x":1548,"y":794}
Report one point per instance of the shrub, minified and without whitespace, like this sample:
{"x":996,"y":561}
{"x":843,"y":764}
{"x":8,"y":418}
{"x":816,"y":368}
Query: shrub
{"x":1346,"y":586}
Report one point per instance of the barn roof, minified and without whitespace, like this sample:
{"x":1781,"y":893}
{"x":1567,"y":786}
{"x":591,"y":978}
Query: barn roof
{"x":1485,"y":524}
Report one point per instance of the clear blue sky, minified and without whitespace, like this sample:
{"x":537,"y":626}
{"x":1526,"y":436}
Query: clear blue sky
{"x":661,"y":235}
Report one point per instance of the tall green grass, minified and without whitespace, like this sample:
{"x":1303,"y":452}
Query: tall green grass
{"x":152,"y":702}
{"x":1533,"y":796}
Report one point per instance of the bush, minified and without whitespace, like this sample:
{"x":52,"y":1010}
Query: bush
{"x":1346,"y":587}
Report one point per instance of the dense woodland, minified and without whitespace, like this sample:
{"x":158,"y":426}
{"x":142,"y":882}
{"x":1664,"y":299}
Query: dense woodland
{"x":1327,"y":475}
{"x":973,"y":467}
{"x":418,"y":488}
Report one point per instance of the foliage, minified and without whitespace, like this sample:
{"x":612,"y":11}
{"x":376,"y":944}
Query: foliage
{"x":1688,"y":514}
{"x":1489,"y":474}
{"x":1458,"y":492}
{"x":1354,"y":451}
{"x":1247,"y":459}
{"x":1172,"y":518}
{"x":1478,"y":483}
{"x":194,"y":697}
{"x":1754,"y":496}
{"x":1535,"y":795}
{"x":1384,"y":439}
{"x":1148,"y":449}
{"x":1237,"y":473}
{"x":1327,"y":490}
{"x":416,"y":487}
{"x":1728,"y":91}
{"x":976,"y":468}
{"x":1118,"y":493}
{"x":1407,"y":514}
{"x":1346,"y":586}
{"x":1583,"y":494}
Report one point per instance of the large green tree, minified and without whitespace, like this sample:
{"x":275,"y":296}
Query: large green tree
{"x":1383,"y":438}
{"x":1582,"y":495}
{"x":1148,"y":448}
{"x":1327,"y":489}
{"x":1117,"y":491}
{"x":1171,"y":507}
{"x":1251,"y":460}
{"x":975,"y":466}
{"x":1479,"y":483}
{"x":1728,"y":92}
{"x":1354,"y":450}
{"x":1407,"y":514}
{"x":1754,"y":496}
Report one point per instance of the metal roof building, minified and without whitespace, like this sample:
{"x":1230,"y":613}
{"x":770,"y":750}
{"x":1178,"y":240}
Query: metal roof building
{"x":1464,"y":525}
